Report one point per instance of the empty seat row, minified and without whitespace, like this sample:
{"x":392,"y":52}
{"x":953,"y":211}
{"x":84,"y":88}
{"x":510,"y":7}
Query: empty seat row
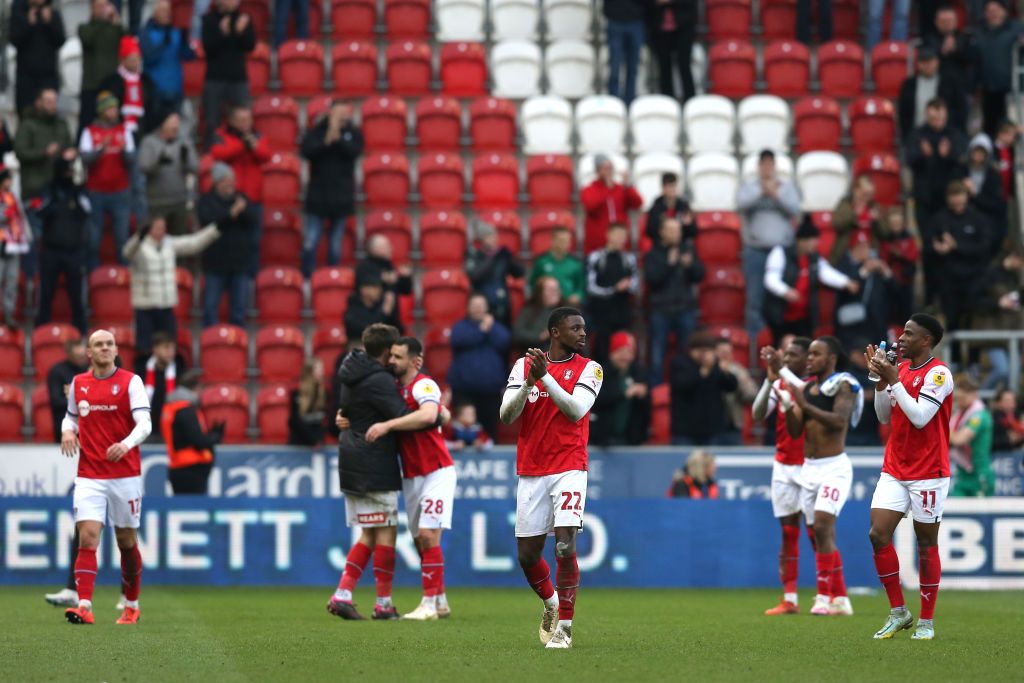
{"x":568,"y":68}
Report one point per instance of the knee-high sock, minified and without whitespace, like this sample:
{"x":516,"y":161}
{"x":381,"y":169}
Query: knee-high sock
{"x":71,"y":565}
{"x":930,"y":569}
{"x":355,"y":563}
{"x":823,"y":562}
{"x":384,"y":569}
{"x":887,"y":563}
{"x":838,"y":587}
{"x":812,"y":539}
{"x":789,"y":558}
{"x":131,"y":572}
{"x":432,"y":571}
{"x":539,"y":578}
{"x":85,"y":572}
{"x":568,"y":580}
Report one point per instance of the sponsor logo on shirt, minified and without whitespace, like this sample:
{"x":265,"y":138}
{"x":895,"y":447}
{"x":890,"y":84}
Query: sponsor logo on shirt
{"x":372,"y":518}
{"x":84,"y":408}
{"x":939,"y":379}
{"x":598,"y":373}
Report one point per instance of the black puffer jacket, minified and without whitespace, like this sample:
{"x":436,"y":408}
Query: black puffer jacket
{"x":331,"y":192}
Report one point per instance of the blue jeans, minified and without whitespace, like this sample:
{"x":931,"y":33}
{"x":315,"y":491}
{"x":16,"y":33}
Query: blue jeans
{"x":683,"y":323}
{"x":625,"y":38}
{"x":999,"y":359}
{"x":312,"y":228}
{"x":900,"y":20}
{"x":754,"y":261}
{"x":237,"y":287}
{"x":118,"y":205}
{"x":282,"y":12}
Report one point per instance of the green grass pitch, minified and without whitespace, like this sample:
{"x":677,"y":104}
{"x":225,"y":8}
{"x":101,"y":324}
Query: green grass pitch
{"x":285,"y":634}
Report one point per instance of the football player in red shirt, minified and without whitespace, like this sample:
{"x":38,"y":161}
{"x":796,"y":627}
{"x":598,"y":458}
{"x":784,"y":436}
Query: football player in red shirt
{"x":553,"y":392}
{"x":915,"y":398}
{"x":107,"y":418}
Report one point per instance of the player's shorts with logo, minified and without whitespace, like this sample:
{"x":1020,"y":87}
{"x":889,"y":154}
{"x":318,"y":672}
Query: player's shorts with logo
{"x":373,"y":509}
{"x":429,"y":500}
{"x":118,"y":500}
{"x":925,"y":499}
{"x":549,"y":501}
{"x":826,"y":485}
{"x":787,"y":488}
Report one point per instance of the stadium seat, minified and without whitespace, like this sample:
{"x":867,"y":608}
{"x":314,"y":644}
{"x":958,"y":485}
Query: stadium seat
{"x":846,"y":21}
{"x":397,"y":227}
{"x":710,"y":123}
{"x":438,"y":123}
{"x":259,"y":13}
{"x":12,"y":354}
{"x":445,"y":294}
{"x":495,"y":181}
{"x":661,"y":415}
{"x":407,"y":18}
{"x":443,"y":239}
{"x":569,"y":19}
{"x":509,"y":228}
{"x":224,"y":353}
{"x":181,"y":14}
{"x":654,"y":121}
{"x":110,"y":297}
{"x":764,"y":123}
{"x":124,"y":337}
{"x":463,"y":69}
{"x":12,"y":412}
{"x":353,"y":18}
{"x":722,"y":297}
{"x":273,"y":409}
{"x":778,"y":19}
{"x":492,"y":125}
{"x":787,"y":68}
{"x":384,"y":123}
{"x":890,"y":66}
{"x":841,"y":68}
{"x":194,"y":74}
{"x":228,"y":404}
{"x":409,"y":68}
{"x":818,"y":124}
{"x":257,"y":67}
{"x":277,"y":119}
{"x":549,"y":180}
{"x":884,"y":171}
{"x":783,"y":167}
{"x":569,"y":65}
{"x":586,"y":171}
{"x":185,"y":283}
{"x":282,"y":180}
{"x":648,"y":169}
{"x":601,"y":124}
{"x":442,"y":180}
{"x":547,"y":125}
{"x":718,"y":240}
{"x":328,"y":343}
{"x":459,"y":20}
{"x":330,"y":288}
{"x":280,"y":353}
{"x":733,"y":68}
{"x":728,"y":19}
{"x":186,"y":345}
{"x":437,"y":353}
{"x":386,"y":179}
{"x":872,"y":125}
{"x":740,"y":341}
{"x":316,"y":21}
{"x":543,"y":223}
{"x":713,"y":180}
{"x":70,"y":60}
{"x":48,"y":346}
{"x":300,"y":66}
{"x":354,"y":68}
{"x":515,"y":66}
{"x":317,"y":107}
{"x":281,"y":242}
{"x":514,"y":19}
{"x":823,"y":178}
{"x":279,"y":295}
{"x":42,"y":416}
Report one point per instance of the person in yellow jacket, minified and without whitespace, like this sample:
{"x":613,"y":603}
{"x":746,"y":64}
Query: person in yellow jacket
{"x":189,"y":444}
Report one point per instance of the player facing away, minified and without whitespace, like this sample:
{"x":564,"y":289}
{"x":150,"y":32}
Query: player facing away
{"x":107,"y":418}
{"x":823,"y":409}
{"x":789,"y":459}
{"x":915,"y":398}
{"x":428,"y":471}
{"x":553,"y":393}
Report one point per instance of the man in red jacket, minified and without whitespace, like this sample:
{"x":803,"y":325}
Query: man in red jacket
{"x":606,"y":202}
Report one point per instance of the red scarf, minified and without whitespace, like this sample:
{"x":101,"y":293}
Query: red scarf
{"x":12,"y":227}
{"x":170,"y":372}
{"x":131,"y":108}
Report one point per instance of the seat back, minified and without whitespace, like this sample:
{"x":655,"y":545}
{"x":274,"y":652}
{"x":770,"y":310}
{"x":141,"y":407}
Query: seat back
{"x":601,"y":124}
{"x":710,"y":122}
{"x":459,"y":20}
{"x":648,"y":169}
{"x":568,"y":18}
{"x":570,"y":68}
{"x":547,"y":125}
{"x":823,"y":178}
{"x":655,"y":122}
{"x":514,"y":19}
{"x":764,"y":123}
{"x":515,"y":66}
{"x":713,"y":178}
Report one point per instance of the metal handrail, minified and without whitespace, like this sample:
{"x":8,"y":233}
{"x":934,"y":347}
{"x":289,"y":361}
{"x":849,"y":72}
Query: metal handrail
{"x":1012,"y":339}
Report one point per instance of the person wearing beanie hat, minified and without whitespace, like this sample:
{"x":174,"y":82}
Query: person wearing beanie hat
{"x":100,"y":37}
{"x":927,"y":83}
{"x":606,"y":201}
{"x":984,"y":186}
{"x":621,"y":413}
{"x":134,"y":89}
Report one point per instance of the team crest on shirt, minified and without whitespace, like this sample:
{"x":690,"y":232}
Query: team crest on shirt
{"x":939,"y":379}
{"x":917,"y":380}
{"x":83,"y":408}
{"x":568,"y":374}
{"x":116,"y":389}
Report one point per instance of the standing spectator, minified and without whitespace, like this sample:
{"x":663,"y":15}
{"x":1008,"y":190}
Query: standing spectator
{"x":998,"y":38}
{"x":306,"y":425}
{"x":864,"y":314}
{"x":378,"y":266}
{"x":368,"y":305}
{"x":190,"y":446}
{"x":37,"y":32}
{"x":696,"y":479}
{"x":558,"y":263}
{"x":606,"y":202}
{"x":228,"y":38}
{"x":926,"y":85}
{"x":736,"y":402}
{"x":612,"y":280}
{"x":489,"y":264}
{"x":108,"y":152}
{"x":803,"y":20}
{"x":672,"y":271}
{"x":625,"y":20}
{"x":998,"y":307}
{"x":478,"y":371}
{"x":900,"y":252}
{"x":159,"y":372}
{"x":622,"y":411}
{"x":670,"y":205}
{"x":200,"y":8}
{"x":59,"y":379}
{"x":768,"y":206}
{"x":900,"y":20}
{"x":858,"y":215}
{"x":167,"y":158}
{"x":101,"y":37}
{"x":15,"y":237}
{"x":226,"y":262}
{"x":531,"y":327}
{"x":1004,"y":155}
{"x":699,"y":386}
{"x":164,"y":48}
{"x":332,"y":148}
{"x":671,"y":26}
{"x":1008,"y":427}
{"x":153,"y":257}
{"x":134,"y":13}
{"x":985,"y":188}
{"x":245,"y":151}
{"x":134,"y":89}
{"x":970,"y":442}
{"x":43,"y":137}
{"x":283,"y":11}
{"x":955,"y":48}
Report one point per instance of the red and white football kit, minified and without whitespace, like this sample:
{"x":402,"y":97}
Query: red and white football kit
{"x":789,"y":459}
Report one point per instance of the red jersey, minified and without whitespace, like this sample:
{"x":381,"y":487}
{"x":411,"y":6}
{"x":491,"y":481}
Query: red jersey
{"x":798,"y":310}
{"x":913,"y":454}
{"x":104,"y":408}
{"x":109,"y":172}
{"x":788,"y":450}
{"x":424,"y":451}
{"x":548,"y":442}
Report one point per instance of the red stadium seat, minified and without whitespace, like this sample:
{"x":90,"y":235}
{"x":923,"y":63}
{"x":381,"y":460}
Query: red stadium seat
{"x":279,"y":353}
{"x":258,"y":68}
{"x":778,"y":19}
{"x":316,"y":20}
{"x":186,"y":344}
{"x":442,"y":239}
{"x":12,"y":412}
{"x":872,"y":125}
{"x":818,"y":124}
{"x":718,"y":240}
{"x":281,"y":242}
{"x":384,"y":123}
{"x":889,"y":67}
{"x":110,"y":296}
{"x":884,"y":171}
{"x":437,"y":353}
{"x":300,"y":66}
{"x":205,"y":167}
{"x":661,"y":415}
{"x":543,"y":223}
{"x":407,"y":18}
{"x":728,"y":19}
{"x":787,"y":68}
{"x":823,"y":221}
{"x":354,"y":68}
{"x":516,"y":295}
{"x":194,"y":73}
{"x":330,"y":289}
{"x":386,"y":179}
{"x":722,"y":296}
{"x":510,"y":233}
{"x":445,"y":294}
{"x":181,"y":13}
{"x":224,"y":353}
{"x":396,"y":226}
{"x":549,"y":180}
{"x":12,"y":354}
{"x":438,"y":123}
{"x":259,"y":14}
{"x":228,"y":404}
{"x":353,"y":18}
{"x":277,"y":119}
{"x":328,"y":343}
{"x":42,"y":416}
{"x":409,"y":68}
{"x":740,"y":341}
{"x":279,"y":295}
{"x":282,"y":180}
{"x":463,"y":69}
{"x":316,"y":107}
{"x":124,"y":337}
{"x":492,"y":124}
{"x":273,"y":407}
{"x":495,"y":181}
{"x":48,"y":346}
{"x":846,"y":20}
{"x":733,"y":69}
{"x":442,"y":180}
{"x":841,"y":68}
{"x":826,"y":312}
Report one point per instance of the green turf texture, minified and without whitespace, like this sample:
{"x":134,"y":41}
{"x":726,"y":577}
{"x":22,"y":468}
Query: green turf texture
{"x":285,"y":634}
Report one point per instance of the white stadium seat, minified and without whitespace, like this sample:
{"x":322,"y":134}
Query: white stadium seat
{"x":585,"y":172}
{"x":567,"y":19}
{"x":823,"y":178}
{"x":514,"y":19}
{"x":764,"y":122}
{"x":710,"y":123}
{"x":547,"y":124}
{"x":713,"y":180}
{"x":570,"y":68}
{"x":655,"y":121}
{"x":460,"y":20}
{"x":783,"y":167}
{"x":75,"y":12}
{"x":647,"y":171}
{"x":601,"y":124}
{"x":515,"y":68}
{"x":70,"y":60}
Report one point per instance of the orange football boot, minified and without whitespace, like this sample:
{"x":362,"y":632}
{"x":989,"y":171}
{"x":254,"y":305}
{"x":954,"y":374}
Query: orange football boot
{"x":78,"y":615}
{"x":130,"y":615}
{"x":784,"y":607}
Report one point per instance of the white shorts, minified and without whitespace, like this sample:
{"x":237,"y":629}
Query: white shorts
{"x":924,"y":498}
{"x":554,"y":500}
{"x":374,"y":509}
{"x":786,"y":489}
{"x":826,"y":485}
{"x":119,"y":500}
{"x":429,"y":500}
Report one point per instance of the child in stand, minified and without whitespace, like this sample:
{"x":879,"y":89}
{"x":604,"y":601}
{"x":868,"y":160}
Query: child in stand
{"x":900,"y":251}
{"x":463,"y":431}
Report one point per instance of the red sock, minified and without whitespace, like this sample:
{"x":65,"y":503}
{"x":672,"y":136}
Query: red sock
{"x":838,"y":589}
{"x":432,"y":571}
{"x":568,"y":579}
{"x":789,"y":558}
{"x":810,"y":537}
{"x":85,"y":572}
{"x":823,"y":561}
{"x":887,"y":563}
{"x":929,"y":568}
{"x":384,"y":569}
{"x":355,"y":563}
{"x":131,"y":572}
{"x":539,"y":578}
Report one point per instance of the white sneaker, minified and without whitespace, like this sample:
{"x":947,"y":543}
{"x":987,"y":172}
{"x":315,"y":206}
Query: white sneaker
{"x":821,"y":606}
{"x":122,"y":602}
{"x":562,"y":640}
{"x":548,"y":623}
{"x":65,"y":597}
{"x":425,"y":611}
{"x":841,"y":607}
{"x":443,"y":610}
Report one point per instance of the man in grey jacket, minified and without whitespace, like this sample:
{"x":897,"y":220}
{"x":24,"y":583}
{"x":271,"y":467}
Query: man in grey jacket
{"x":167,"y":158}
